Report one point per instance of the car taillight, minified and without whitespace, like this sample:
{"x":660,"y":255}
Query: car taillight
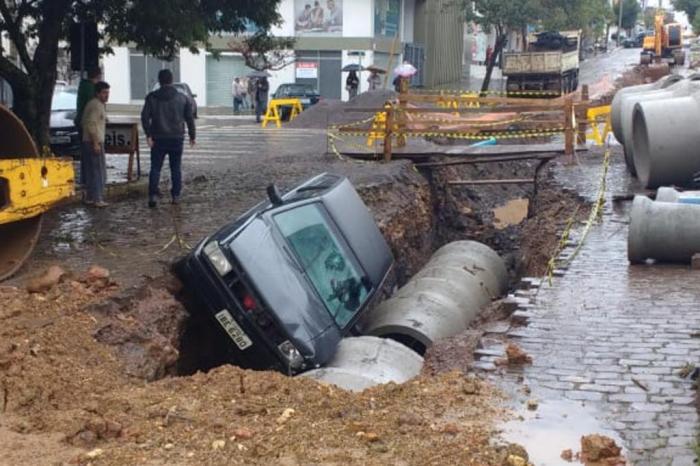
{"x":248,"y":302}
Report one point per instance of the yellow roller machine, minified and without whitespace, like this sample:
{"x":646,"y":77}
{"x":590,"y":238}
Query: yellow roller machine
{"x":29,"y":186}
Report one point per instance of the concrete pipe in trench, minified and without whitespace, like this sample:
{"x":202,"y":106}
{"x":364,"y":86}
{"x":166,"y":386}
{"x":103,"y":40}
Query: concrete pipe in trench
{"x":616,"y":106}
{"x":666,"y":140}
{"x":663,"y":231}
{"x":443,"y":298}
{"x":627,"y":103}
{"x":363,"y":362}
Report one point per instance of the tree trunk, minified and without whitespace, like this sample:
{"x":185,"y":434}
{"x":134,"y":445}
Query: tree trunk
{"x":497,"y":49}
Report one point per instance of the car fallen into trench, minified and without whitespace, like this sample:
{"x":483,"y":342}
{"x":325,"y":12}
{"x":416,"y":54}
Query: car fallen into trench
{"x":287,"y":280}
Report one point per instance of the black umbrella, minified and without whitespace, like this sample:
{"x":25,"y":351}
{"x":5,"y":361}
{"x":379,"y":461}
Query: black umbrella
{"x":353,"y":67}
{"x":258,"y":74}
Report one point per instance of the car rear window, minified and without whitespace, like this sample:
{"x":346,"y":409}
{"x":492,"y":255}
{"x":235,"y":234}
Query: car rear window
{"x":330,"y":267}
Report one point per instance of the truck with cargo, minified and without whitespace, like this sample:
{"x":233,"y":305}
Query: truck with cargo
{"x":550,"y":63}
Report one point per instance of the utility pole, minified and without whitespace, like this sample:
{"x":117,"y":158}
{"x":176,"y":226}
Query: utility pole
{"x":619,"y":23}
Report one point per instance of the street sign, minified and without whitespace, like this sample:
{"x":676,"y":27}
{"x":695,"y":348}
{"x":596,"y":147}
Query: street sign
{"x":123,"y":138}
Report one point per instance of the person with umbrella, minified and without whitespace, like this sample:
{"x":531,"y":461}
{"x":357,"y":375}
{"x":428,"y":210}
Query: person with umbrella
{"x":352,"y":83}
{"x":374,"y":80}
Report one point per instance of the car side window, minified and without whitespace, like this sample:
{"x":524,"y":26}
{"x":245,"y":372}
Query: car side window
{"x":332,"y":270}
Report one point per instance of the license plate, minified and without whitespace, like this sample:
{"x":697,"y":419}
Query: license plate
{"x":305,"y":101}
{"x":233,"y":329}
{"x":59,"y":139}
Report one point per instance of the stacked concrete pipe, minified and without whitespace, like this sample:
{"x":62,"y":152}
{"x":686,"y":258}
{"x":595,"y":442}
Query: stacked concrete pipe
{"x":668,"y":194}
{"x":623,"y":108}
{"x":666,"y":140}
{"x":663,"y":231}
{"x":443,"y":298}
{"x":363,"y":362}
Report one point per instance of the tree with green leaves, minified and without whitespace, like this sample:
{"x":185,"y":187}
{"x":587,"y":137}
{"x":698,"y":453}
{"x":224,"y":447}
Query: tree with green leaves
{"x":689,"y":7}
{"x":630,"y":13}
{"x":500,"y":16}
{"x":160,"y":28}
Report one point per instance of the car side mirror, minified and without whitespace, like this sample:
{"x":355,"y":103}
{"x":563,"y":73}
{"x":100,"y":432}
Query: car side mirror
{"x":274,"y":195}
{"x":194,"y":95}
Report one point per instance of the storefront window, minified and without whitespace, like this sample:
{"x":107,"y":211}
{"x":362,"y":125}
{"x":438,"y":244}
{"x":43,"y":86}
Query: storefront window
{"x":387,"y":17}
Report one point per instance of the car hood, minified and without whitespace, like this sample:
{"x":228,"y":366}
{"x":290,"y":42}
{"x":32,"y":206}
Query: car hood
{"x":62,"y":119}
{"x":284,"y":288}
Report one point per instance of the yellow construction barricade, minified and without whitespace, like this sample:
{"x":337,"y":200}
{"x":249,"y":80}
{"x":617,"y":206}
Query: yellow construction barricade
{"x":273,"y":111}
{"x":595,"y":117}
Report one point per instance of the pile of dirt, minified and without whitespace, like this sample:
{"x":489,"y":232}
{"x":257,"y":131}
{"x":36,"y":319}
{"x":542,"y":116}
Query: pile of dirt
{"x":333,"y":112}
{"x":68,"y":398}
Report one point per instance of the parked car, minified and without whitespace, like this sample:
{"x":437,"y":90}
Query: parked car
{"x":63,"y":134}
{"x":634,"y":42}
{"x":288,"y":279}
{"x":183,"y":88}
{"x":304,"y":92}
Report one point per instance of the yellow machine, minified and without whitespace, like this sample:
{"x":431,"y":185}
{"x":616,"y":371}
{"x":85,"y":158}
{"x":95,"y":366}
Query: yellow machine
{"x":29,"y":186}
{"x":666,"y":43}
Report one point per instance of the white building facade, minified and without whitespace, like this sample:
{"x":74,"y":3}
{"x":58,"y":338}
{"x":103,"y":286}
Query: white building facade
{"x":329,"y":34}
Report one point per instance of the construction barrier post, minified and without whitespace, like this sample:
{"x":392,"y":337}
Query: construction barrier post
{"x":582,"y":116}
{"x":401,"y":114}
{"x":389,"y":123}
{"x":569,"y":129}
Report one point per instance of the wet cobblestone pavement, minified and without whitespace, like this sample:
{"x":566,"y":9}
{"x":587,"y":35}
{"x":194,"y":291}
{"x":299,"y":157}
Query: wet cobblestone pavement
{"x":613,"y":337}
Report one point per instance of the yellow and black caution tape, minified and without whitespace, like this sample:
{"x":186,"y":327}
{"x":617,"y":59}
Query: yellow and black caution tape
{"x":593,"y":217}
{"x":436,"y":119}
{"x":477,"y":93}
{"x":527,"y":133}
{"x":351,"y":124}
{"x":332,"y":138}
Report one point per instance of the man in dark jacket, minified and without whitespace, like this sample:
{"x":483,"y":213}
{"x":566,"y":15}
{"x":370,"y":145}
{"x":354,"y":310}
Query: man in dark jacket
{"x":163,"y":118}
{"x":262,"y":87}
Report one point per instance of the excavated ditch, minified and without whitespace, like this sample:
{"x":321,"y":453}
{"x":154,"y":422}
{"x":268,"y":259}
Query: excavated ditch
{"x":417,"y":213}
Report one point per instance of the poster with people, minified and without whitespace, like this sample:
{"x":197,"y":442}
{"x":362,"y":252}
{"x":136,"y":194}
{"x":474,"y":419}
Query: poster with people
{"x":318,"y":17}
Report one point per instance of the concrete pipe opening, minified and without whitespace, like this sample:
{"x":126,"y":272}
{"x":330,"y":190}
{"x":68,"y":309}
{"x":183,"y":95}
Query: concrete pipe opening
{"x":443,"y":298}
{"x":363,"y":362}
{"x":616,"y":107}
{"x":17,"y":239}
{"x":663,"y":231}
{"x":666,"y":141}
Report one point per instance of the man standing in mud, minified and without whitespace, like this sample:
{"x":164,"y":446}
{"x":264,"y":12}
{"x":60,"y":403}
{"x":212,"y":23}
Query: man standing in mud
{"x":163,"y":117}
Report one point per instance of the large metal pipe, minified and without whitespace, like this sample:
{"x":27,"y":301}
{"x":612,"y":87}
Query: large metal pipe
{"x":363,"y":362}
{"x":666,"y":140}
{"x":616,"y":106}
{"x":443,"y":298}
{"x":663,"y":231}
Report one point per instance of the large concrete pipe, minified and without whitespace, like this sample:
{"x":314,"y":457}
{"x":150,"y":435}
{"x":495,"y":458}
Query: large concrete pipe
{"x":616,"y":105}
{"x":663,"y":231}
{"x":628,"y":102}
{"x":666,"y":140}
{"x":667,"y":194}
{"x":443,"y":298}
{"x":363,"y":362}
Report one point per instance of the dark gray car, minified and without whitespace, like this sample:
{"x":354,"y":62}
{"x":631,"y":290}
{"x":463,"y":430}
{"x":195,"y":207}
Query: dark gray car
{"x":289,"y":278}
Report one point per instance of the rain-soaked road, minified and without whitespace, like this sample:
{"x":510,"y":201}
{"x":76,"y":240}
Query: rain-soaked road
{"x":225,"y":174}
{"x":612,"y":337}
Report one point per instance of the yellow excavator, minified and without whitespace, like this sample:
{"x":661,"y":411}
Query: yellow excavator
{"x":666,"y":43}
{"x":29,"y":186}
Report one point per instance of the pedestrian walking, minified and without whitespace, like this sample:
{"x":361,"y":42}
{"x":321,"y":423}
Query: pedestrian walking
{"x":164,"y":115}
{"x":86,"y":92}
{"x":262,"y":87}
{"x":237,"y":90}
{"x":93,"y":123}
{"x":246,"y":103}
{"x":352,"y":83}
{"x":374,"y":81}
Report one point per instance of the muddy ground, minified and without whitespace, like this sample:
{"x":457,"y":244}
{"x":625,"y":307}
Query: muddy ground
{"x":91,"y":370}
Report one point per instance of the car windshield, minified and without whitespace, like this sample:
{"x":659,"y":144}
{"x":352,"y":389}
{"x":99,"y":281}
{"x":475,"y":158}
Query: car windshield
{"x":329,"y":266}
{"x":297,"y":89}
{"x":64,"y":99}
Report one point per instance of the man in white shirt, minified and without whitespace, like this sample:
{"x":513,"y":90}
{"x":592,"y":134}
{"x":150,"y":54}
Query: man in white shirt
{"x":237,"y":90}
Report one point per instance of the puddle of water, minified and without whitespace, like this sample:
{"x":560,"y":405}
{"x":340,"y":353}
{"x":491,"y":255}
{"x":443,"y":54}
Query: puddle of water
{"x":554,"y":427}
{"x":71,"y":229}
{"x":511,"y":213}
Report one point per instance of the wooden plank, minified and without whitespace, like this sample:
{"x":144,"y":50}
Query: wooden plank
{"x":492,"y":159}
{"x":480,"y":182}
